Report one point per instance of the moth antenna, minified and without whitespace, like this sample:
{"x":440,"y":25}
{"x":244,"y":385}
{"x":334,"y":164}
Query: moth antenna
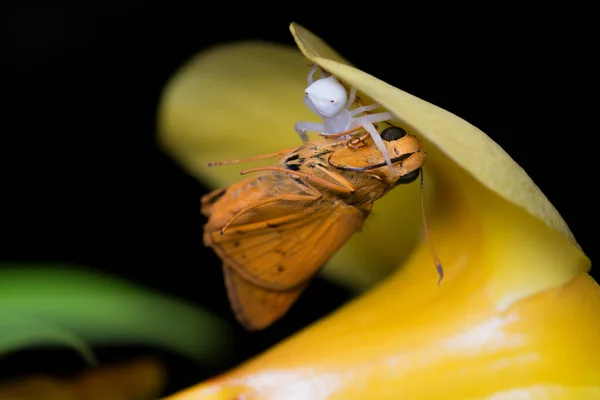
{"x":253,"y":158}
{"x":436,"y":260}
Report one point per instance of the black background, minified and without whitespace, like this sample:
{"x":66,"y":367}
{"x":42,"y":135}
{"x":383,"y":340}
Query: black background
{"x":83,"y":181}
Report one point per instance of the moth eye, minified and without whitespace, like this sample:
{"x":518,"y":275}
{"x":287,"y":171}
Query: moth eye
{"x":332,"y":101}
{"x":410,"y":177}
{"x":393,"y":133}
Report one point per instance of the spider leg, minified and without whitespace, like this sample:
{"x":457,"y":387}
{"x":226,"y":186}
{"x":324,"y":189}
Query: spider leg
{"x":369,"y":127}
{"x":343,"y":133}
{"x":362,"y":109}
{"x":367,"y":122}
{"x":373,"y":118}
{"x":351,"y":98}
{"x":310,"y":79}
{"x":302,"y":127}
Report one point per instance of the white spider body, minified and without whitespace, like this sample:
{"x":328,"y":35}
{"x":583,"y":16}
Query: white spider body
{"x":338,"y":123}
{"x":327,"y":98}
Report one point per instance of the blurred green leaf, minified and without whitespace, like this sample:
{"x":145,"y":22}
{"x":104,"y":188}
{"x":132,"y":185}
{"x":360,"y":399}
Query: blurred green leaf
{"x":50,"y":305}
{"x":19,"y":332}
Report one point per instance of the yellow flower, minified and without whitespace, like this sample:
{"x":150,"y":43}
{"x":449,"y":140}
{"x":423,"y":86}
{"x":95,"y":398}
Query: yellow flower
{"x":516,"y":316}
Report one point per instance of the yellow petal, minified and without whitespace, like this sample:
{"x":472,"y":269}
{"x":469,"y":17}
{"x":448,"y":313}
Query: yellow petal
{"x":428,"y":348}
{"x":458,"y":152}
{"x":462,"y":142}
{"x":468,"y":339}
{"x":516,"y":314}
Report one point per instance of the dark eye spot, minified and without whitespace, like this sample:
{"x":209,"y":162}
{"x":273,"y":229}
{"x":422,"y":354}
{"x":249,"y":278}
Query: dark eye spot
{"x":410,"y":177}
{"x":393,"y":133}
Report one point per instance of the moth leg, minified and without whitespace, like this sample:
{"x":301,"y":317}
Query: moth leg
{"x":307,"y":187}
{"x":366,"y":209}
{"x":309,"y":177}
{"x":283,"y":197}
{"x":336,"y":177}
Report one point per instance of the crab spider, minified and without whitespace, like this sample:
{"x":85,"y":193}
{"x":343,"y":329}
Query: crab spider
{"x":327,"y":98}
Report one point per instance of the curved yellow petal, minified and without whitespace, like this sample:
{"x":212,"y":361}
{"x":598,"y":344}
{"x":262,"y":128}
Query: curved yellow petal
{"x":239,"y":100}
{"x":462,"y":142}
{"x":408,"y":339}
{"x":475,"y":336}
{"x":458,"y":152}
{"x":429,"y":347}
{"x":516,"y":314}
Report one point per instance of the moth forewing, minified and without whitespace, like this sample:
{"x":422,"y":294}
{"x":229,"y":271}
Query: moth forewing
{"x":275,"y":229}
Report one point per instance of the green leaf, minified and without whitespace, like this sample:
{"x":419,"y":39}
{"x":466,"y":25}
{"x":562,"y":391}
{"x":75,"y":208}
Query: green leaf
{"x":20,"y":331}
{"x":57,"y":305}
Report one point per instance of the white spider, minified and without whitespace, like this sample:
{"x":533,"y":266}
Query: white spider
{"x":327,"y":98}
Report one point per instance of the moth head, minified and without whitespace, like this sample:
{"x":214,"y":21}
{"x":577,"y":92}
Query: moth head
{"x":404,"y":149}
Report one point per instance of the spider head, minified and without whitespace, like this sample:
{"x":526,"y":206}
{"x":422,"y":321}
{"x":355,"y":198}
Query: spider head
{"x":328,"y":96}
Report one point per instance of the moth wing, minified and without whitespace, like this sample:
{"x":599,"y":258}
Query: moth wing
{"x":256,"y":307}
{"x":283,"y":252}
{"x":221,"y":203}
